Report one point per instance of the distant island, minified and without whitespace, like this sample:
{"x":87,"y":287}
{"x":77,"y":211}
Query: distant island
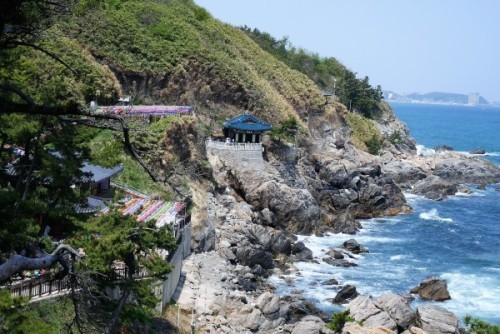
{"x":437,"y":98}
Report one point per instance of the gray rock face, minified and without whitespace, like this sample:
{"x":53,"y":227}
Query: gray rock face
{"x":397,"y":307}
{"x":295,"y":209}
{"x":311,"y":325}
{"x":436,"y":320}
{"x":343,"y":222}
{"x":335,"y":254}
{"x":301,"y":252}
{"x":463,"y":169}
{"x":364,"y":190}
{"x":339,"y":262}
{"x":353,"y":246}
{"x":331,"y":281}
{"x":432,"y":289}
{"x":435,"y":188}
{"x":347,"y":293}
{"x":364,"y":309}
{"x":478,"y":151}
{"x":268,"y":304}
{"x":404,"y":173}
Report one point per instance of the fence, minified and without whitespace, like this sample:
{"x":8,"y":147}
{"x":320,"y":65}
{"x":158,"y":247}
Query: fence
{"x":234,"y":146}
{"x":48,"y":286}
{"x":39,"y":287}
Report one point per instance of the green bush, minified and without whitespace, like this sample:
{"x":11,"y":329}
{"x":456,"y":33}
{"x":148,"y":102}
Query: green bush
{"x":374,"y":144}
{"x":478,"y":326}
{"x":338,"y":321}
{"x":395,"y":138}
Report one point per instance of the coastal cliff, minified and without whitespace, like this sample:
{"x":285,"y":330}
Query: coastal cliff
{"x":333,"y":167}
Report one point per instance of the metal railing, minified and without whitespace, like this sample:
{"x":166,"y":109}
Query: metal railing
{"x":39,"y":287}
{"x":48,"y":286}
{"x":234,"y":146}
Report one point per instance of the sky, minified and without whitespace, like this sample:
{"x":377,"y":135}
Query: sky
{"x":405,"y":46}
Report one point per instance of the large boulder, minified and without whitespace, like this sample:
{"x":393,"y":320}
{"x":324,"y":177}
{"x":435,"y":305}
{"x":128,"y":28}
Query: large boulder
{"x":436,"y":320}
{"x":478,"y":151}
{"x":339,"y":262}
{"x":364,"y":310}
{"x":301,"y":252}
{"x":343,"y":222}
{"x":311,"y":324}
{"x":397,"y":307}
{"x":435,"y":188}
{"x":354,"y":328}
{"x":432,"y":289}
{"x":335,"y":254}
{"x":353,"y":246}
{"x":269,"y":304}
{"x":347,"y":293}
{"x":459,"y":168}
{"x":404,"y":173}
{"x":294,"y":209}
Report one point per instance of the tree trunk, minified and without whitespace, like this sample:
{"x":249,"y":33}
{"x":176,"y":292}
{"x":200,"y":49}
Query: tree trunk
{"x":113,"y":325}
{"x":17,"y":263}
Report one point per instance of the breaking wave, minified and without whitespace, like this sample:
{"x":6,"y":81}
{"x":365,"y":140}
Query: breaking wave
{"x":433,"y":214}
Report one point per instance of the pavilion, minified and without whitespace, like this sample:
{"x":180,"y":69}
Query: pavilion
{"x":245,"y":129}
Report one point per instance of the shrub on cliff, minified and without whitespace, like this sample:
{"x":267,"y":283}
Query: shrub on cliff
{"x":478,"y":326}
{"x":338,"y":321}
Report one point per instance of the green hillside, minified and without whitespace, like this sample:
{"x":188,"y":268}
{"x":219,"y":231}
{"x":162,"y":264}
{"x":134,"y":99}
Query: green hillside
{"x":168,"y":52}
{"x":175,"y":52}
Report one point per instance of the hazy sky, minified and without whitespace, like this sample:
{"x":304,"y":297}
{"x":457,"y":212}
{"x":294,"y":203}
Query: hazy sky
{"x":405,"y":46}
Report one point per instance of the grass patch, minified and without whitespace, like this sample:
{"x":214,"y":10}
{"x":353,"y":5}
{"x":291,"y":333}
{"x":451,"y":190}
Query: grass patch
{"x":365,"y":134}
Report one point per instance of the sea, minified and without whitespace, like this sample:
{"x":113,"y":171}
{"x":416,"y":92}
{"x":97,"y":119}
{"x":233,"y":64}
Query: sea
{"x":457,"y":239}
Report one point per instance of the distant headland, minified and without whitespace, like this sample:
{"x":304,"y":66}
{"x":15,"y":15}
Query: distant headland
{"x":437,"y":98}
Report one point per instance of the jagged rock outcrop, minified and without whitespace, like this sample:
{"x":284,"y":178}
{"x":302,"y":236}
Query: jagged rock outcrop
{"x":463,"y":169}
{"x":301,"y":252}
{"x":364,"y":309}
{"x":397,"y":307}
{"x":404,"y":173}
{"x":345,"y":294}
{"x":432,"y":289}
{"x":435,"y":188}
{"x":354,"y":328}
{"x":354,"y":247}
{"x":458,"y":168}
{"x":436,"y":320}
{"x":392,"y":313}
{"x":312,"y":325}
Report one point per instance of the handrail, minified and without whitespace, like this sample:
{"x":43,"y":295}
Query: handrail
{"x":234,"y":146}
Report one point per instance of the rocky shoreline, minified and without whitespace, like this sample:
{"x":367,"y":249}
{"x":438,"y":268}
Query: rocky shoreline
{"x":244,"y":230}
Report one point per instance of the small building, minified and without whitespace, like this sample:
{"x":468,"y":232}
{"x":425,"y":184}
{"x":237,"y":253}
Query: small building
{"x":100,"y":178}
{"x":245,"y":129}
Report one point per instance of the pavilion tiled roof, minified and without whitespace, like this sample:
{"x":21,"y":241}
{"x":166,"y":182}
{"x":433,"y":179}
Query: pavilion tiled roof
{"x":247,"y":122}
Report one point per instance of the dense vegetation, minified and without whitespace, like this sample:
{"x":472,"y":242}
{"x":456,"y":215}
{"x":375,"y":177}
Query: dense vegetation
{"x":328,"y":73}
{"x":55,"y":57}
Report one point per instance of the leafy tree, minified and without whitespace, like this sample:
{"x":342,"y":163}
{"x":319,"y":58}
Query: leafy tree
{"x":36,"y":186}
{"x":328,"y":73}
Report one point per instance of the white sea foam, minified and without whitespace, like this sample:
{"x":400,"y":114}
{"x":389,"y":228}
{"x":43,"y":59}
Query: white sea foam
{"x":433,"y":214}
{"x":422,"y":150}
{"x":397,"y":257}
{"x":473,"y":294}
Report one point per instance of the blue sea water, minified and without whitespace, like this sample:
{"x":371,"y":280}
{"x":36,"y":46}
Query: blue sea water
{"x":457,"y":239}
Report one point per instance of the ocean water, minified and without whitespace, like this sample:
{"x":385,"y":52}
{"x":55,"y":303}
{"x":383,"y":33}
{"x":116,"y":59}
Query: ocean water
{"x":457,"y":239}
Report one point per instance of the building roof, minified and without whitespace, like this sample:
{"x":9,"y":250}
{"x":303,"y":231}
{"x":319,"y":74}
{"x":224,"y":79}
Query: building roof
{"x":247,"y":123}
{"x":99,"y":173}
{"x":92,"y":205}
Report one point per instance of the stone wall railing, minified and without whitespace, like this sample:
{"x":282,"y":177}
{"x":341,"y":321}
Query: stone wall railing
{"x":234,"y":146}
